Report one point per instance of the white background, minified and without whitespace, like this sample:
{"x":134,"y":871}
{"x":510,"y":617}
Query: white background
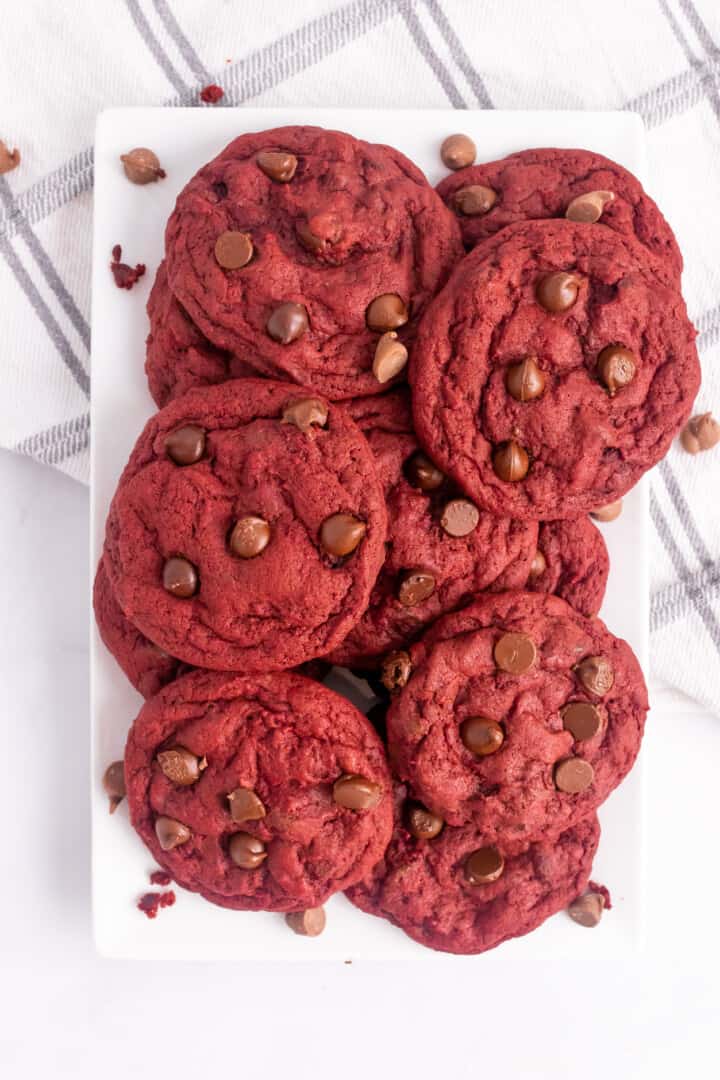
{"x":66,"y":1013}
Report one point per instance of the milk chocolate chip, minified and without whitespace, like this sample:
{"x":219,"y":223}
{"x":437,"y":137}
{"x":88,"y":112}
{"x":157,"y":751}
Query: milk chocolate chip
{"x":423,"y":474}
{"x":250,"y":537}
{"x":340,"y":534}
{"x":170,"y":833}
{"x":616,"y":368}
{"x":416,"y":586}
{"x":587,"y":909}
{"x":305,"y":412}
{"x":481,"y":736}
{"x":457,"y":151}
{"x":9,"y":159}
{"x":573,"y":775}
{"x":474,"y":200}
{"x":386,"y":312}
{"x":308,"y":923}
{"x":142,"y":166}
{"x":515,"y":653}
{"x":596,"y":675}
{"x":421,"y":823}
{"x":390,"y":357}
{"x":395,"y":670}
{"x":511,"y":462}
{"x":245,"y":805}
{"x":609,"y":512}
{"x":180,"y":577}
{"x":180,"y":765}
{"x":483,"y":866}
{"x":246,"y":851}
{"x":557,"y":291}
{"x":114,"y":784}
{"x":538,"y":566}
{"x":702,"y":433}
{"x":588,"y":207}
{"x":233,"y":250}
{"x":185,"y":445}
{"x":356,"y":792}
{"x":525,"y":381}
{"x":287,"y":323}
{"x":459,"y":517}
{"x":581,"y":719}
{"x":278,"y":165}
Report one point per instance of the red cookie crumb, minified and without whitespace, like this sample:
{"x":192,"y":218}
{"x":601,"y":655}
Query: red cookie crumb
{"x":212,"y":94}
{"x":603,"y":891}
{"x":160,"y":877}
{"x":125,"y":276}
{"x":150,"y":903}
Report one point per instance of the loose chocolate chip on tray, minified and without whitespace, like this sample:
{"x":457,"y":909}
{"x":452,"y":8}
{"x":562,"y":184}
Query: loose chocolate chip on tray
{"x":114,"y":784}
{"x":9,"y":159}
{"x":458,"y":151}
{"x":308,"y":923}
{"x":609,"y":512}
{"x":142,"y":166}
{"x":587,"y":909}
{"x":701,"y":433}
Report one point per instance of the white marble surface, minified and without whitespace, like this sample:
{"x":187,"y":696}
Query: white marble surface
{"x":64,"y":1012}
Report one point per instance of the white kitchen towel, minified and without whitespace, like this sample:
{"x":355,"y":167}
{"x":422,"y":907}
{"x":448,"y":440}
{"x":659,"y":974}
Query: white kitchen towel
{"x":61,"y":63}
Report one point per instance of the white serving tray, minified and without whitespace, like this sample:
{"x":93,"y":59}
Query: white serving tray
{"x":135,"y":218}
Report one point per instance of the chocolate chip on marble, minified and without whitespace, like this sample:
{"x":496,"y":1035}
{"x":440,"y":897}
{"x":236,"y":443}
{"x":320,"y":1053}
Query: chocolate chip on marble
{"x":180,"y":577}
{"x":142,"y":166}
{"x":421,"y":823}
{"x":538,"y":566}
{"x":340,"y":534}
{"x":308,"y":923}
{"x":481,"y":736}
{"x":356,"y":792}
{"x":245,"y":805}
{"x":459,"y":517}
{"x":515,"y":653}
{"x":423,"y":473}
{"x":702,"y":432}
{"x":474,"y":200}
{"x":395,"y":670}
{"x":305,"y":413}
{"x":185,"y":445}
{"x":246,"y":851}
{"x":483,"y":866}
{"x":458,"y":151}
{"x":581,"y":719}
{"x":113,"y":782}
{"x":277,"y":165}
{"x":233,"y":250}
{"x":525,"y":381}
{"x":596,"y":675}
{"x":588,"y":207}
{"x":609,"y":512}
{"x":287,"y":323}
{"x":573,"y":775}
{"x":587,"y":909}
{"x":616,"y":367}
{"x":181,"y":766}
{"x":250,"y":536}
{"x":390,"y":358}
{"x":416,"y":586}
{"x":386,"y":312}
{"x":510,"y":461}
{"x":557,"y":291}
{"x":170,"y":833}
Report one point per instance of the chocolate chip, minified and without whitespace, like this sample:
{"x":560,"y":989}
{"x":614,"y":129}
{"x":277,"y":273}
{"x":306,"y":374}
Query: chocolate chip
{"x":416,"y":586}
{"x":460,"y":517}
{"x":390,"y":357}
{"x":515,"y":653}
{"x":596,"y":675}
{"x":581,"y":719}
{"x":588,"y":207}
{"x":246,"y":851}
{"x":701,"y":433}
{"x":245,"y":805}
{"x":114,"y":784}
{"x":308,"y":923}
{"x":305,"y":412}
{"x":277,"y":164}
{"x":458,"y":151}
{"x":170,"y":833}
{"x":320,"y":232}
{"x":474,"y":200}
{"x":573,"y":775}
{"x":340,"y":534}
{"x":142,"y":166}
{"x":421,"y":823}
{"x":386,"y":312}
{"x":557,"y":291}
{"x":9,"y":159}
{"x":481,"y":736}
{"x":616,"y":368}
{"x":185,"y":445}
{"x":510,"y":462}
{"x":233,"y":249}
{"x":483,"y":866}
{"x":525,"y":381}
{"x":423,"y":474}
{"x":587,"y":909}
{"x":180,"y":765}
{"x":180,"y":577}
{"x":609,"y":512}
{"x":395,"y":670}
{"x":538,"y":566}
{"x":250,"y":537}
{"x":356,"y":792}
{"x":287,"y":323}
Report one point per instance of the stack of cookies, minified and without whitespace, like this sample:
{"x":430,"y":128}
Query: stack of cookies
{"x":385,"y":415}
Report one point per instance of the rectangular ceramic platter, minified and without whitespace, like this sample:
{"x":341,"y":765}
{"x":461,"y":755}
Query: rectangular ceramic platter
{"x":133,"y":216}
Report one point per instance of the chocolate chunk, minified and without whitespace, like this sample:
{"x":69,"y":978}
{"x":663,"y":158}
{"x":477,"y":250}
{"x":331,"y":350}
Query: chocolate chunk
{"x":458,"y":151}
{"x":142,"y":166}
{"x":395,"y":670}
{"x":460,"y":517}
{"x":308,"y":923}
{"x":581,"y":719}
{"x":596,"y":675}
{"x":180,"y":765}
{"x":185,"y":445}
{"x":287,"y":323}
{"x":587,"y":909}
{"x":421,"y":823}
{"x":481,"y":736}
{"x":609,"y":512}
{"x":483,"y":866}
{"x":510,"y":462}
{"x":557,"y":291}
{"x":515,"y":653}
{"x":701,"y":433}
{"x":416,"y":586}
{"x":356,"y":792}
{"x":180,"y":577}
{"x":525,"y":381}
{"x":305,"y":412}
{"x":245,"y":805}
{"x":246,"y":851}
{"x":9,"y":159}
{"x":616,"y":368}
{"x":573,"y":775}
{"x":386,"y":312}
{"x":170,"y":833}
{"x":278,"y":165}
{"x":320,"y":232}
{"x":114,"y":784}
{"x":233,"y":249}
{"x":390,"y":357}
{"x":588,"y":207}
{"x":423,"y":474}
{"x":340,"y":534}
{"x":250,"y":537}
{"x":474,"y":200}
{"x":538,"y":566}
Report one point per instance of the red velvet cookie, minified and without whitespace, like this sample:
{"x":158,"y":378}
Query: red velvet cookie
{"x":299,"y":247}
{"x":248,"y":527}
{"x":440,"y":548}
{"x":456,"y":892}
{"x":553,"y":370}
{"x":261,"y":793}
{"x":572,"y":562}
{"x":520,"y":715}
{"x":551,"y":183}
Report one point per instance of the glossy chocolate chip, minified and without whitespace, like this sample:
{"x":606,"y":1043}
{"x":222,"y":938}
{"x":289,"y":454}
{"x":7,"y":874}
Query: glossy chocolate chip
{"x":481,"y":736}
{"x":421,"y":823}
{"x":588,"y":207}
{"x":587,"y":909}
{"x":474,"y":200}
{"x":701,"y":433}
{"x":277,"y":164}
{"x":340,"y":534}
{"x":305,"y":413}
{"x":458,"y":151}
{"x":616,"y":368}
{"x":308,"y":923}
{"x":170,"y":833}
{"x":511,"y":462}
{"x":185,"y":445}
{"x":180,"y":765}
{"x":142,"y":166}
{"x":609,"y":512}
{"x":416,"y":586}
{"x":423,"y":474}
{"x":515,"y":653}
{"x":525,"y":381}
{"x":596,"y":675}
{"x":395,"y":670}
{"x":483,"y":866}
{"x":459,"y":517}
{"x":581,"y":719}
{"x":245,"y":805}
{"x":356,"y":792}
{"x":390,"y":357}
{"x":386,"y":312}
{"x":287,"y":323}
{"x":233,"y":250}
{"x":114,"y":784}
{"x":538,"y":566}
{"x":557,"y":291}
{"x":246,"y":851}
{"x":180,"y":577}
{"x":250,"y":536}
{"x":573,"y":775}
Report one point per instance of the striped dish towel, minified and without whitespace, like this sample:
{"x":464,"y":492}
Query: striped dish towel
{"x":660,"y":58}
